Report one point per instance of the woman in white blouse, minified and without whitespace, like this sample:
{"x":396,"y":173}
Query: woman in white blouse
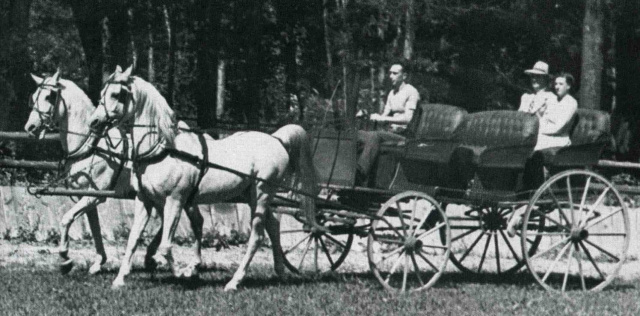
{"x":555,"y":119}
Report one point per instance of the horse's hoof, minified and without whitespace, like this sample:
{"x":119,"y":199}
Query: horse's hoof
{"x":230,"y":287}
{"x":66,"y":266}
{"x":95,"y":268}
{"x":150,"y":264}
{"x":117,"y":284}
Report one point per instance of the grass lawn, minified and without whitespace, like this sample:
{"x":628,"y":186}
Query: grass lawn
{"x":30,"y":290}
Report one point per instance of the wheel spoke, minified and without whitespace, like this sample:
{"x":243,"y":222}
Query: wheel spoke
{"x":413,"y":216}
{"x":428,"y":261}
{"x":405,"y":272}
{"x":602,"y":250}
{"x":400,"y":215}
{"x":553,"y":265}
{"x":430,"y":231}
{"x":584,"y":198}
{"x":386,"y":239}
{"x":566,"y":273}
{"x":326,"y":252}
{"x":315,"y":255}
{"x":298,"y":244}
{"x":393,"y":268}
{"x":607,"y":234}
{"x":554,"y":246}
{"x":497,"y":254}
{"x":484,"y":253}
{"x":391,"y":253}
{"x":553,"y":220}
{"x":509,"y":245}
{"x":470,"y":247}
{"x":570,"y":195}
{"x":336,"y":241}
{"x":557,"y":202}
{"x":304,"y":254}
{"x":464,"y":234}
{"x":592,"y":209}
{"x":415,"y":266}
{"x":435,"y":246}
{"x":579,"y":259}
{"x":593,"y":262}
{"x":601,"y":219}
{"x":422,"y":221}
{"x":392,"y":227}
{"x":292,"y":231}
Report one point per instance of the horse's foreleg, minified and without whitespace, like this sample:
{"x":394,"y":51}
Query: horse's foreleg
{"x":256,"y":235}
{"x":65,"y":224}
{"x":140,"y":219}
{"x":172,"y":210}
{"x":196,"y":220}
{"x":94,"y":225}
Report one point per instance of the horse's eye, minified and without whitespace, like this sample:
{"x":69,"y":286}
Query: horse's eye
{"x":51,"y":98}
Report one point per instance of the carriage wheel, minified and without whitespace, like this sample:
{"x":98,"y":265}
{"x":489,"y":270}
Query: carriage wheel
{"x":308,"y":251}
{"x":480,"y":244}
{"x":586,"y":238}
{"x":404,"y":250}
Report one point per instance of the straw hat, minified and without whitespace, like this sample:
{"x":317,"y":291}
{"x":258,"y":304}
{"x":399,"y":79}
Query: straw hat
{"x":540,"y":68}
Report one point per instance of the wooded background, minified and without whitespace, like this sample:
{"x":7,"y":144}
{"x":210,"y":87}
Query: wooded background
{"x":276,"y":61}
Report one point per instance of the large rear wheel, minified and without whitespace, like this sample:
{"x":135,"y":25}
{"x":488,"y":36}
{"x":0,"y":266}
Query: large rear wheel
{"x":586,"y":238}
{"x":404,"y":248}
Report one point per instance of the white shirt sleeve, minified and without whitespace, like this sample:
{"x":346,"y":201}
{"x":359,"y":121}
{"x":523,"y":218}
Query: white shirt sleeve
{"x":557,"y":116}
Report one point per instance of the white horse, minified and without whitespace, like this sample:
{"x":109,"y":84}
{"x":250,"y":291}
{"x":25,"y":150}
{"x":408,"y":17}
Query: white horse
{"x":169,"y":177}
{"x":92,"y":163}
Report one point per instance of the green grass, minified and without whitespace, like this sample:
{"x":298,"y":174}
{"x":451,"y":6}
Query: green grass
{"x":34,"y":291}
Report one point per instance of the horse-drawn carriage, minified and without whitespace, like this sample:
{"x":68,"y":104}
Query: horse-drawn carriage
{"x":445,"y":194}
{"x":448,"y":193}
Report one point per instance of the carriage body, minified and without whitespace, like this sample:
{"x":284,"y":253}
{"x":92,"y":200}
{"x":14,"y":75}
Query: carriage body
{"x":472,"y":170}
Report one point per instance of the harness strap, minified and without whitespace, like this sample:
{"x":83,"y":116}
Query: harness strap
{"x":203,"y":167}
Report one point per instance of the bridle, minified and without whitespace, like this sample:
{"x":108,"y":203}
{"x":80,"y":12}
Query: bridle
{"x":124,"y":96}
{"x":46,"y":117}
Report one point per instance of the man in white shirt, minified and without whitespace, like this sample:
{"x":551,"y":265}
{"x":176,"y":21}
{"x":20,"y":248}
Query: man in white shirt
{"x":398,"y":111}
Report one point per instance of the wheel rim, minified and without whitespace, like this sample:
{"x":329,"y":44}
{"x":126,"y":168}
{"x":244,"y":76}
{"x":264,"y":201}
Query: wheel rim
{"x":405,"y":252}
{"x":479,"y":243}
{"x":586,"y":238}
{"x":308,"y":251}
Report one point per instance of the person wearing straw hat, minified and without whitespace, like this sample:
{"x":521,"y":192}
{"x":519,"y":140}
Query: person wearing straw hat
{"x":398,"y":111}
{"x":536,"y":101}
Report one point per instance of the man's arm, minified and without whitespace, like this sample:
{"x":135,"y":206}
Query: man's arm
{"x":405,"y":117}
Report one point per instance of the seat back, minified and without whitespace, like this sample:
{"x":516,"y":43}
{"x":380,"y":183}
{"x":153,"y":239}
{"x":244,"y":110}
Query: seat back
{"x":438,"y":121}
{"x":499,"y":129}
{"x":334,"y":156}
{"x":590,"y":126}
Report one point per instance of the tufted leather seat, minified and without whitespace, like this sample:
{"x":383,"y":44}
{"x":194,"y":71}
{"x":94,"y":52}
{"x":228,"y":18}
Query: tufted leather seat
{"x":589,"y":135}
{"x":427,"y":155}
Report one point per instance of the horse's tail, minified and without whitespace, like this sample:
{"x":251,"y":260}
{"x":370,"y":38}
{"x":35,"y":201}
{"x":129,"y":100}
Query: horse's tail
{"x":297,"y":142}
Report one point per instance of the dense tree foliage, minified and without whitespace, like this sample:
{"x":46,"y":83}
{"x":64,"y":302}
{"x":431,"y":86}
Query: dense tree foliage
{"x":276,"y":61}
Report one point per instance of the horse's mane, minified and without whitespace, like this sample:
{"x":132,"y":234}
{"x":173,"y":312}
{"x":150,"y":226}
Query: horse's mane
{"x":152,"y":108}
{"x":73,"y":94}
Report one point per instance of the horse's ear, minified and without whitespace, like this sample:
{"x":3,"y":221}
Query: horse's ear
{"x":127,"y":72}
{"x":37,"y":79}
{"x":56,"y":76}
{"x":118,"y":69}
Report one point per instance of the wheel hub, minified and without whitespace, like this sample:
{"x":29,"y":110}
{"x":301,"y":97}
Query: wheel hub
{"x":412,"y":245}
{"x":579,"y":234}
{"x":493,"y":221}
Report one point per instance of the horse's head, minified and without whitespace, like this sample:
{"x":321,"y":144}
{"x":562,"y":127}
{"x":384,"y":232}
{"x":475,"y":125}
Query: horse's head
{"x":45,"y":105}
{"x":116,"y":101}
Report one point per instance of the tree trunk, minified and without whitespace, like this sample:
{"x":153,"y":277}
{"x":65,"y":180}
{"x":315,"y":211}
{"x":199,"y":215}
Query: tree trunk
{"x":118,"y":40}
{"x":220,"y":88}
{"x":171,"y":39}
{"x":151,"y":72}
{"x":327,"y":44}
{"x":592,"y":58}
{"x":207,"y":24}
{"x":88,"y":20}
{"x":626,"y":113}
{"x":132,"y":43}
{"x":409,"y":32}
{"x":15,"y":82}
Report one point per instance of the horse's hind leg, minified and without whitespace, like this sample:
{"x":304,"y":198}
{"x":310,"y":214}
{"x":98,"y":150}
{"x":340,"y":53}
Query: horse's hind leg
{"x":101,"y":255}
{"x":149,"y":263}
{"x":272,"y":225}
{"x":257,"y":232}
{"x":140,"y":219}
{"x":196,"y":220}
{"x":65,"y":224}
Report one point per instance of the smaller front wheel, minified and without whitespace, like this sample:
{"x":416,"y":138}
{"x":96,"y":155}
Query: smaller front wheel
{"x":405,"y":249}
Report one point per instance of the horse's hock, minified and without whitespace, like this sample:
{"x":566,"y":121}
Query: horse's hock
{"x":24,"y":216}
